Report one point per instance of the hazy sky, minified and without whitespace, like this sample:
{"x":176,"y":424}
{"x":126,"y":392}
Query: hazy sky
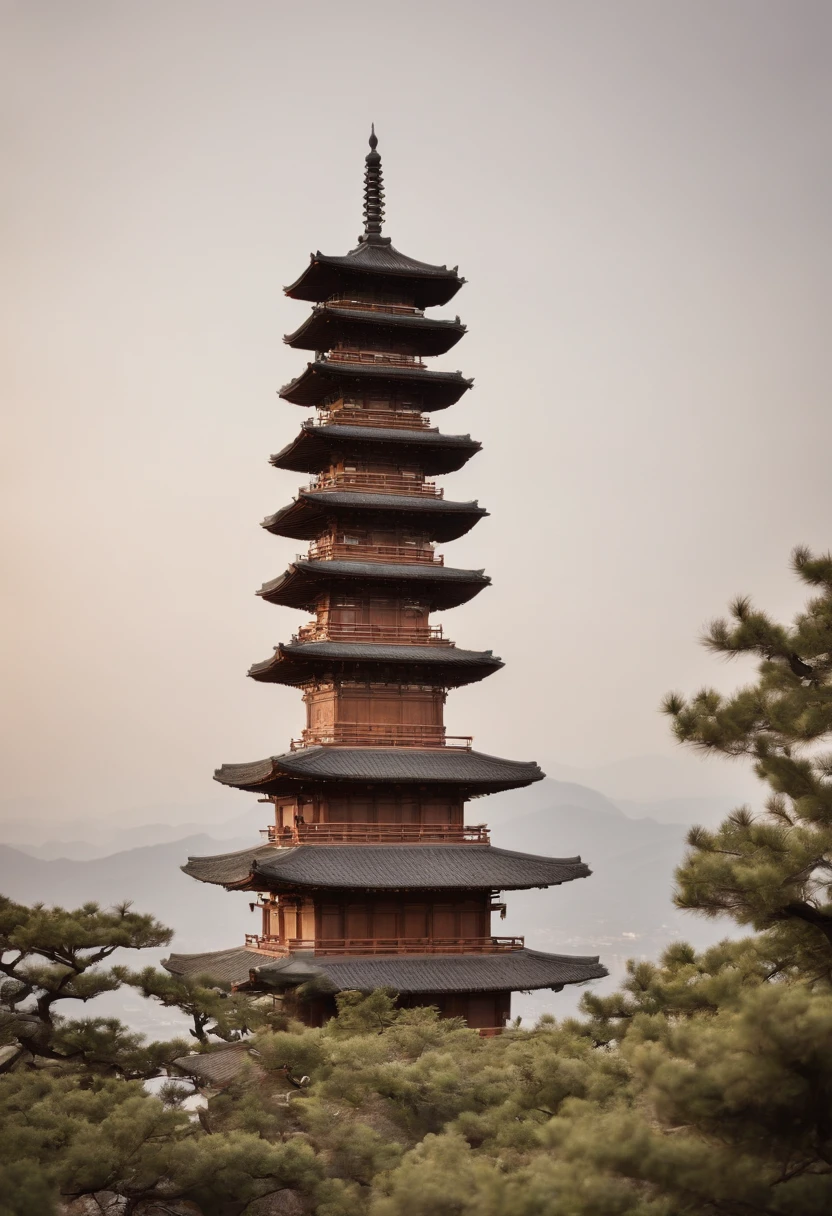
{"x":638,"y":194}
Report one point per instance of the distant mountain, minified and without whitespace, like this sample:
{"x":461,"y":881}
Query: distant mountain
{"x":34,"y":822}
{"x":149,"y":877}
{"x":683,"y":774}
{"x":707,"y":812}
{"x":105,"y":840}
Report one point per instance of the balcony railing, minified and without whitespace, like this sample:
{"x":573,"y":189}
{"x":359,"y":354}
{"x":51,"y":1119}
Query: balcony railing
{"x":377,"y":833}
{"x":386,"y":945}
{"x":381,"y":734}
{"x":376,"y":483}
{"x":393,"y":635}
{"x":388,"y":358}
{"x":374,"y":306}
{"x":328,"y":550}
{"x":405,"y":420}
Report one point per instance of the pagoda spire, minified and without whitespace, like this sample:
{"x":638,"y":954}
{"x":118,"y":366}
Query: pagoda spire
{"x":373,"y":192}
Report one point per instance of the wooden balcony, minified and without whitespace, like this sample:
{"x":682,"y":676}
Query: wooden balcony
{"x":376,"y":357}
{"x":391,"y":635}
{"x":489,"y":1032}
{"x":381,"y":734}
{"x":335,"y":550}
{"x":386,"y":945}
{"x":376,"y":483}
{"x":374,"y":306}
{"x":404,"y":420}
{"x":377,"y":833}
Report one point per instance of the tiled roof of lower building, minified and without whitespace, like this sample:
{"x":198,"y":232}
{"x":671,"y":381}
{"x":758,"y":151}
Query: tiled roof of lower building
{"x":221,"y":966}
{"x":219,"y":1067}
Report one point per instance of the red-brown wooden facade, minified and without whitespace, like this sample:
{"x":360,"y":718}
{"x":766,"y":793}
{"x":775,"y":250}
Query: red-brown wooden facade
{"x":373,"y":514}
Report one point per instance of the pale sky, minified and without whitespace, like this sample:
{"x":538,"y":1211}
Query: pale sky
{"x":638,"y":194}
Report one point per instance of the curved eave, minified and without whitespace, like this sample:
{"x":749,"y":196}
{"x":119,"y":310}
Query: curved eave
{"x":376,"y":267}
{"x":315,"y":447}
{"x":304,"y":582}
{"x":309,"y":514}
{"x":512,"y":971}
{"x":516,"y":970}
{"x":444,"y":666}
{"x":327,"y":326}
{"x":391,"y":867}
{"x":472,"y":774}
{"x":322,"y":379}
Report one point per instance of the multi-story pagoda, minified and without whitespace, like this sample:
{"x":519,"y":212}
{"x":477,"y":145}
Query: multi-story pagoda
{"x":370,"y":876}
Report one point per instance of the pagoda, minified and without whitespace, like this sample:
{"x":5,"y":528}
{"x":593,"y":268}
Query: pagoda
{"x":369,"y":875}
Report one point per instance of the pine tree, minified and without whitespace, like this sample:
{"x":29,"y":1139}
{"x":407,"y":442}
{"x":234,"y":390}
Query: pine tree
{"x":51,"y":957}
{"x":771,"y":870}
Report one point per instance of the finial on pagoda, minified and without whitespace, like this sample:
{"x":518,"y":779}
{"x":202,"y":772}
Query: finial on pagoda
{"x":373,"y":192}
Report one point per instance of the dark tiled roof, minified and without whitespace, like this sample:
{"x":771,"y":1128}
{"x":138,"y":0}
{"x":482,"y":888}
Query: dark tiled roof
{"x":515,"y":970}
{"x":437,"y":518}
{"x":219,"y":1067}
{"x":223,"y":966}
{"x":446,"y":665}
{"x":227,"y":869}
{"x":475,"y":772}
{"x":435,"y":390}
{"x":438,"y":587}
{"x":329,"y":323}
{"x":312,"y":450}
{"x":385,"y":867}
{"x":370,"y":265}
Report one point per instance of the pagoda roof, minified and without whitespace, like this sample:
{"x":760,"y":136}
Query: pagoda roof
{"x":438,"y":587}
{"x":327,"y":377}
{"x":313,"y":448}
{"x":375,"y":266}
{"x":329,"y":324}
{"x":508,"y":971}
{"x":388,"y":867}
{"x":511,"y":970}
{"x":446,"y":666}
{"x":471,"y":773}
{"x":307,"y":515}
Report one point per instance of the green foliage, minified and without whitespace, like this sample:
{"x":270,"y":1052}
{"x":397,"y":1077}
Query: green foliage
{"x":212,"y":1007}
{"x":50,"y":956}
{"x":771,"y":871}
{"x":111,"y":1136}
